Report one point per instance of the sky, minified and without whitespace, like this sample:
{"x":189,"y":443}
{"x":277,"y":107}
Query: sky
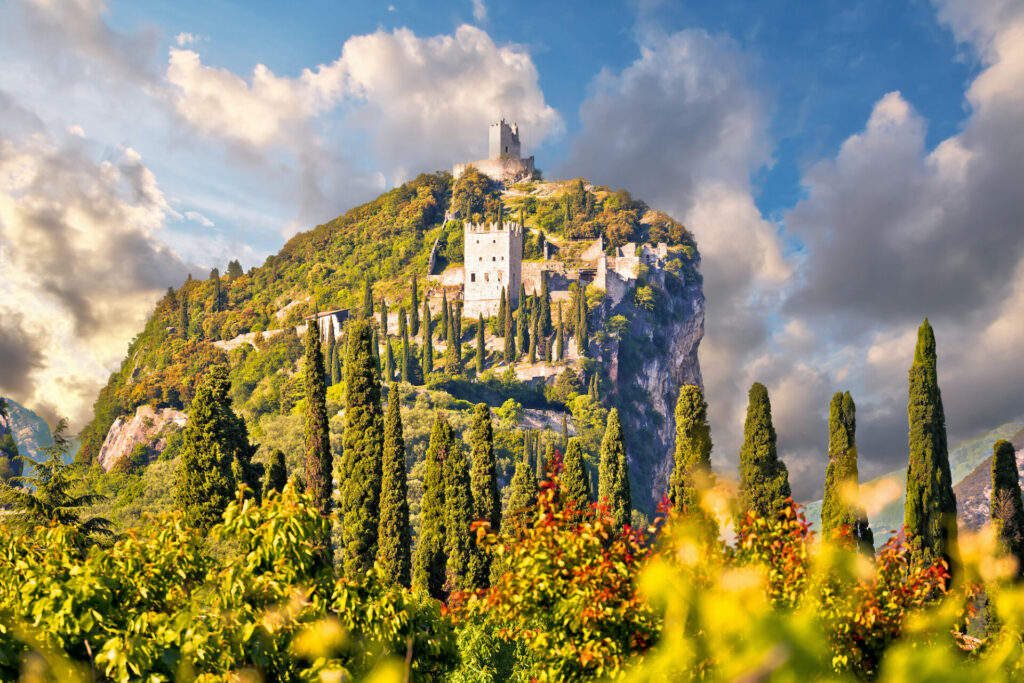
{"x":848,"y":168}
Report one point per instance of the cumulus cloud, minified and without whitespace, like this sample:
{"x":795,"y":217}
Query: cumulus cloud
{"x":82,"y":262}
{"x":684,"y":127}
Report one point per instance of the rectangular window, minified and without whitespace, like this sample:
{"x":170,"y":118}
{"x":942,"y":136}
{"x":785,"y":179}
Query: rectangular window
{"x":487,"y":277}
{"x":472,"y":277}
{"x":499,"y":276}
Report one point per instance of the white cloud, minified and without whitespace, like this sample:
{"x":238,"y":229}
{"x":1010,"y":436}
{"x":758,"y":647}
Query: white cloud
{"x":198,"y":218}
{"x":183,"y":39}
{"x":479,"y":11}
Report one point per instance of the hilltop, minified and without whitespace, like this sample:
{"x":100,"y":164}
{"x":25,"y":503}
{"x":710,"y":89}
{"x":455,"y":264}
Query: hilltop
{"x":643,"y":340}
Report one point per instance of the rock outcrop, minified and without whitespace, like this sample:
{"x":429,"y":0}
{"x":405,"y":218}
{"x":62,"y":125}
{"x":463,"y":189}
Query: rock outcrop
{"x":146,"y":427}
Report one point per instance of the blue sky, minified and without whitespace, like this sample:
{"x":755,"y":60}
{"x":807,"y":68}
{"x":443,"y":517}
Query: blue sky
{"x":847,"y":167}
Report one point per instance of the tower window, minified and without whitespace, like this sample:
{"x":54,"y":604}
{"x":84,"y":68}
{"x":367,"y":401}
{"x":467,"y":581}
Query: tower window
{"x":493,"y":259}
{"x":487,"y":277}
{"x":472,"y":277}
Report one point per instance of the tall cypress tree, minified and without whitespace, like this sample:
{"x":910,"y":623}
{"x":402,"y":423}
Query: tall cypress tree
{"x":277,"y":474}
{"x":522,"y":495}
{"x":458,"y":503}
{"x":1006,"y":508}
{"x":453,"y":352}
{"x":336,"y":370}
{"x":510,"y":338}
{"x":361,"y":466}
{"x":522,"y":327}
{"x":929,"y":514}
{"x":183,"y":319}
{"x":522,"y":299}
{"x":545,"y":304}
{"x":444,"y":325}
{"x":414,"y":322}
{"x":613,"y":472}
{"x":331,"y":350}
{"x":549,"y":459}
{"x":486,"y":497}
{"x":838,"y":509}
{"x":429,"y":563}
{"x":692,"y":468}
{"x":366,"y":311}
{"x":403,"y":323}
{"x":384,"y":318}
{"x":405,"y":362}
{"x":502,"y":309}
{"x":575,"y":480}
{"x":216,"y":455}
{"x":427,"y":352}
{"x":560,"y":336}
{"x":534,"y":323}
{"x":481,"y":347}
{"x":218,"y":297}
{"x":389,"y":361}
{"x":764,"y":480}
{"x":394,"y":537}
{"x":582,"y":327}
{"x":319,"y":458}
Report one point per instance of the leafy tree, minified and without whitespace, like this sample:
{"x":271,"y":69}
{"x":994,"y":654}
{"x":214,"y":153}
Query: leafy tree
{"x":458,"y":503}
{"x":510,"y":338}
{"x":427,"y":352}
{"x":502,"y":310}
{"x":613,"y":472}
{"x":363,"y":445}
{"x":481,"y":347}
{"x":234,"y":270}
{"x":430,"y":561}
{"x":1006,"y":508}
{"x":692,"y":470}
{"x":414,"y":323}
{"x":47,"y":495}
{"x":575,"y":480}
{"x":318,"y":455}
{"x":839,"y":508}
{"x":764,"y":480}
{"x":394,"y":543}
{"x":484,"y":485}
{"x":522,"y":495}
{"x":366,"y":310}
{"x":215,"y":448}
{"x":277,"y":474}
{"x":929,"y":513}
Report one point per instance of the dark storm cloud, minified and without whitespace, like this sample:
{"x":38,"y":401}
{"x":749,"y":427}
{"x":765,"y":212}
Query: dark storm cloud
{"x":19,"y":356}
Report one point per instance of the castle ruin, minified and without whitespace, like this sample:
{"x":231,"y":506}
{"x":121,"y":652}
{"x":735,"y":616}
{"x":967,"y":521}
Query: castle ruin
{"x":505,"y":162}
{"x":493,"y":254}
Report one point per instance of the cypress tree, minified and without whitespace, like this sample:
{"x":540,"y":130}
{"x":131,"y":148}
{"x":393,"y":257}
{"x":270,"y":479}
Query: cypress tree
{"x":592,"y":388}
{"x":375,"y":347}
{"x":361,"y":466}
{"x":414,"y":322}
{"x":522,"y":325}
{"x":522,"y":300}
{"x":443,"y":318}
{"x":366,"y":311}
{"x":575,"y":481}
{"x":453,"y":352}
{"x":331,"y":343}
{"x":534,"y":323}
{"x":277,"y":474}
{"x":565,"y":433}
{"x":218,"y":297}
{"x":183,"y":319}
{"x":582,"y":328}
{"x":405,"y":362}
{"x":502,"y":309}
{"x":545,"y":304}
{"x":560,"y":336}
{"x":764,"y":480}
{"x":394,"y":537}
{"x":336,"y":375}
{"x":458,"y":502}
{"x":481,"y":347}
{"x":929,"y":514}
{"x":486,"y":497}
{"x":549,"y":459}
{"x":837,"y":507}
{"x":215,"y":450}
{"x":319,"y":459}
{"x":384,"y":318}
{"x":692,"y":468}
{"x":522,"y":496}
{"x":429,"y":564}
{"x":510,"y":339}
{"x":613,"y":472}
{"x":389,"y":361}
{"x":427,"y":352}
{"x":1006,"y":508}
{"x":403,"y":323}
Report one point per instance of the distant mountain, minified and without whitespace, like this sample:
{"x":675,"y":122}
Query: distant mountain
{"x":974,"y":492}
{"x":29,"y":431}
{"x":969,"y":463}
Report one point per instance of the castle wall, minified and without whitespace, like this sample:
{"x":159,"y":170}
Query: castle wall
{"x":499,"y":169}
{"x":493,"y":259}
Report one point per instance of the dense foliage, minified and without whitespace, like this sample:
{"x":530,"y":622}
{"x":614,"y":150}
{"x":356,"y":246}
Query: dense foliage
{"x":839,"y":507}
{"x":764,"y":480}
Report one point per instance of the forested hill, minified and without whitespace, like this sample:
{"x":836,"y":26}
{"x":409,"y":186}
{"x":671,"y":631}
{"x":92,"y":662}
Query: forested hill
{"x":386,"y":241}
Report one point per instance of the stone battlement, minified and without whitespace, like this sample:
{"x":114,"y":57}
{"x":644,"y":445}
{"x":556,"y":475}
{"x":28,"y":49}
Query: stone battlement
{"x":505,"y":227}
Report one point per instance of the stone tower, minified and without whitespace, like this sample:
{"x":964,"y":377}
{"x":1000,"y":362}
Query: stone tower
{"x":493,"y":257}
{"x":504,"y":141}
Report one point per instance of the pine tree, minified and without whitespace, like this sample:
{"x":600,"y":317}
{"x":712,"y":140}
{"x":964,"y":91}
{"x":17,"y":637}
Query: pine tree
{"x":429,"y":566}
{"x":575,"y":480}
{"x":692,"y":470}
{"x":444,"y":324}
{"x":458,"y":503}
{"x":510,"y":338}
{"x":366,"y":310}
{"x":427,"y":352}
{"x":277,"y":474}
{"x":613,"y":472}
{"x":389,"y":361}
{"x":764,"y":480}
{"x":522,"y":495}
{"x":545,"y":303}
{"x":499,"y":324}
{"x":929,"y":514}
{"x":363,"y":445}
{"x":1006,"y":508}
{"x":331,"y":350}
{"x":318,"y":455}
{"x":414,"y":322}
{"x":394,"y":537}
{"x":384,"y":318}
{"x":453,"y":352}
{"x":481,"y":347}
{"x":838,"y":507}
{"x":215,"y":447}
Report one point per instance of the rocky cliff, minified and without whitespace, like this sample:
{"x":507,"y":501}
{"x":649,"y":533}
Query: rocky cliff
{"x":148,"y":427}
{"x":974,"y":492}
{"x":30,"y":432}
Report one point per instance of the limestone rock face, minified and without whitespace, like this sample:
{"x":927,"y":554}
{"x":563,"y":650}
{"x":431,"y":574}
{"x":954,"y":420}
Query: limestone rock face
{"x":30,"y":432}
{"x":145,"y":427}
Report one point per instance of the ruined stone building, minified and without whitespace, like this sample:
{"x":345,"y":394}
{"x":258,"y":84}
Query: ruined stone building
{"x":493,"y":254}
{"x":505,"y":162}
